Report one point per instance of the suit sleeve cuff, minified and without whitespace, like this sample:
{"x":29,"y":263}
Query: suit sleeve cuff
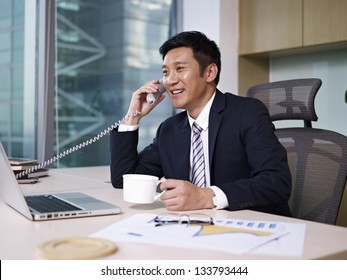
{"x":222,"y":201}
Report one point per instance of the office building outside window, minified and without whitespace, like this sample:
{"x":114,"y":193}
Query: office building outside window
{"x":104,"y":50}
{"x":17,"y":86}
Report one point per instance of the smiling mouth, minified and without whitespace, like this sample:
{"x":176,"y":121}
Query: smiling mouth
{"x":175,"y":92}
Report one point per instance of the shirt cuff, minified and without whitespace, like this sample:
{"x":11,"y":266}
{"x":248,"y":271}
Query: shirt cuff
{"x":124,"y":127}
{"x":222,"y":201}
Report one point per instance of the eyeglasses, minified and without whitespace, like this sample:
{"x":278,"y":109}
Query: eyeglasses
{"x":175,"y":218}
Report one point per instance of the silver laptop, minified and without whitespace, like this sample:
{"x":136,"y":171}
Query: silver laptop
{"x":48,"y":206}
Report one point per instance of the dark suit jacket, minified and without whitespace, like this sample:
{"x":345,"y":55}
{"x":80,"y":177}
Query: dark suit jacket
{"x":247,"y":162}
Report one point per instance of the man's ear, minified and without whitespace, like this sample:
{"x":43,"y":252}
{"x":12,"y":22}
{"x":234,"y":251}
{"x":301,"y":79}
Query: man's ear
{"x":212,"y":72}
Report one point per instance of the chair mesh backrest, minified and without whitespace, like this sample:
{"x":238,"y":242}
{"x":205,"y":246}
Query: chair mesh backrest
{"x":318,"y":163}
{"x":317,"y":158}
{"x":289,"y":99}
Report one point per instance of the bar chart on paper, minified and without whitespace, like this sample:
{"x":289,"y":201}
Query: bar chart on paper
{"x":228,"y":235}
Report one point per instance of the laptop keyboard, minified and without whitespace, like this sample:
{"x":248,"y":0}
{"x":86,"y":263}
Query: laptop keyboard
{"x":49,"y":204}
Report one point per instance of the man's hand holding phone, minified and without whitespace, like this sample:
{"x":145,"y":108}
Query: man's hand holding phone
{"x":144,"y":100}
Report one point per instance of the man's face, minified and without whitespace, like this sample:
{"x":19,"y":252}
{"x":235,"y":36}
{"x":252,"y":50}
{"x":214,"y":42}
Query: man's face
{"x":187,"y":89}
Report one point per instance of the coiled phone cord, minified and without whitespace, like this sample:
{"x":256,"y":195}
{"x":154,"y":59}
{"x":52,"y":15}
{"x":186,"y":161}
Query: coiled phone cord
{"x":79,"y":146}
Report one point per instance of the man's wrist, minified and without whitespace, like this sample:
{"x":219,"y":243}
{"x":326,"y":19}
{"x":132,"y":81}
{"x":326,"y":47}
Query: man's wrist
{"x":132,"y":118}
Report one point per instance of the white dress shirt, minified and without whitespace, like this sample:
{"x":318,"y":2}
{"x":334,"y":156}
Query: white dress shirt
{"x":202,"y":121}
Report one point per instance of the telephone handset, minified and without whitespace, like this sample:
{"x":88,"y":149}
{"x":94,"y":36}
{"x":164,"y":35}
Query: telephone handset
{"x":150,"y":98}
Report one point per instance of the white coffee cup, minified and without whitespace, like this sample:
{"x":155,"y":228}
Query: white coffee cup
{"x":140,"y":188}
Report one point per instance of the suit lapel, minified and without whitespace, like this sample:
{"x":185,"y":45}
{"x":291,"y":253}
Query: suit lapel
{"x":183,"y":152}
{"x":215,"y":120}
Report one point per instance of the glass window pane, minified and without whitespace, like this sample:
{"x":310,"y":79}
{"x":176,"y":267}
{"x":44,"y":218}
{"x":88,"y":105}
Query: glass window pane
{"x":4,"y":113}
{"x":4,"y":120}
{"x":5,"y":41}
{"x":4,"y":83}
{"x":105,"y":50}
{"x":18,"y":12}
{"x":12,"y":119}
{"x":18,"y":39}
{"x":4,"y":57}
{"x":17,"y":120}
{"x":17,"y":83}
{"x":5,"y":13}
{"x":17,"y":56}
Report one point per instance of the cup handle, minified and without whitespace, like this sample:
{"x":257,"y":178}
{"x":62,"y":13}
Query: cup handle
{"x":159,"y":195}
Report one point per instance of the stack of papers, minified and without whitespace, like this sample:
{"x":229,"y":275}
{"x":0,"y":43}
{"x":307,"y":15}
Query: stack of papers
{"x":227,"y":235}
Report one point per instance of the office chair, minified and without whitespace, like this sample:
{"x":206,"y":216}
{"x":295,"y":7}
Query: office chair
{"x":317,"y":158}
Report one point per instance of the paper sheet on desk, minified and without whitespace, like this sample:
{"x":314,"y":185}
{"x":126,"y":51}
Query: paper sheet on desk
{"x":228,"y":235}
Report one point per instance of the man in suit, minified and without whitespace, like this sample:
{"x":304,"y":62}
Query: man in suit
{"x":244,"y":165}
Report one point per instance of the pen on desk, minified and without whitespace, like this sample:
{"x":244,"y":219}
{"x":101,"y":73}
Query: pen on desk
{"x":269,"y":241}
{"x":134,"y":234}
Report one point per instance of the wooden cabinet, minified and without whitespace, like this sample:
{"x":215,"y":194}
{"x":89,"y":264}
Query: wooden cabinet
{"x":285,"y":27}
{"x":251,"y":71}
{"x":325,"y":21}
{"x":269,"y":25}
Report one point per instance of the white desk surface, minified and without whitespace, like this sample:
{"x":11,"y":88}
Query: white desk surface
{"x":19,"y":237}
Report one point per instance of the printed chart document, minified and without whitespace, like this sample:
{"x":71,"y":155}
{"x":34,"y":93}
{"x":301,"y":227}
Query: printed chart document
{"x":228,"y":235}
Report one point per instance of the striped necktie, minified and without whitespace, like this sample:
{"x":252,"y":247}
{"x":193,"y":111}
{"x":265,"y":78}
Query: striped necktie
{"x":198,"y":167}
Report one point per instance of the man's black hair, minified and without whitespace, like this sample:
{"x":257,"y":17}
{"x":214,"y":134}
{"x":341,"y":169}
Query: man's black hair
{"x":205,"y":51}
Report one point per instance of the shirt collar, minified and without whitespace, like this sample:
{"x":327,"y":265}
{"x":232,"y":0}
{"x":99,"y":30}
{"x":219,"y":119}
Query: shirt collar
{"x":202,"y":119}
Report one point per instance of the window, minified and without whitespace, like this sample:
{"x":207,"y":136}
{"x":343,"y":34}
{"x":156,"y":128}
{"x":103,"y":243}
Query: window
{"x":17,"y":86}
{"x":104,"y":50}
